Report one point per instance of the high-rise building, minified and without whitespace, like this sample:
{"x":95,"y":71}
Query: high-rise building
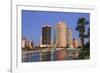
{"x":61,"y":35}
{"x":75,"y":43}
{"x":69,"y":38}
{"x":46,"y":35}
{"x":40,"y":39}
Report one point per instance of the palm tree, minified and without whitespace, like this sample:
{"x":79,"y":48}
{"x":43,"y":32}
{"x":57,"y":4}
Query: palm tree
{"x":81,"y":28}
{"x":87,"y":45}
{"x":88,"y":34}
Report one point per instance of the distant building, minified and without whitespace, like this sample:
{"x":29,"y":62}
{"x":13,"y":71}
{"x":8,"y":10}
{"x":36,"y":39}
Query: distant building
{"x":23,"y":42}
{"x":40,"y":39}
{"x":69,"y":38}
{"x":46,"y":35}
{"x":61,"y":34}
{"x":75,"y":43}
{"x":26,"y":44}
{"x":30,"y":44}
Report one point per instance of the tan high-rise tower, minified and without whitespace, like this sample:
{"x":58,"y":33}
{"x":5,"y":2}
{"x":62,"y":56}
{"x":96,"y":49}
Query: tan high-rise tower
{"x":61,"y":35}
{"x":69,"y":38}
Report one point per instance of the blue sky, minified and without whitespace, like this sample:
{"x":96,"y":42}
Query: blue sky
{"x":32,"y":22}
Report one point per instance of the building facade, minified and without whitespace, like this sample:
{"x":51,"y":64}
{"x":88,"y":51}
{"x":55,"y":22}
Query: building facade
{"x":61,"y":35}
{"x":46,"y":35}
{"x":23,"y":42}
{"x":69,"y":38}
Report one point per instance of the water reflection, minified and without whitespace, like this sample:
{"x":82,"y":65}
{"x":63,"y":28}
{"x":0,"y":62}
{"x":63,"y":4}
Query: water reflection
{"x":50,"y":55}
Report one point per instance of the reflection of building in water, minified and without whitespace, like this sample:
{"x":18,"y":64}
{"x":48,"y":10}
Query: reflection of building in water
{"x":46,"y":35}
{"x":60,"y":54}
{"x":75,"y":43}
{"x":61,"y":33}
{"x":69,"y":38}
{"x":46,"y":56}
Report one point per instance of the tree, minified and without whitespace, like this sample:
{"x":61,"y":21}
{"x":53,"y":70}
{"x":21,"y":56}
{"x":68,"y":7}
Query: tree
{"x":87,"y":45}
{"x":81,"y":28}
{"x":88,"y":35}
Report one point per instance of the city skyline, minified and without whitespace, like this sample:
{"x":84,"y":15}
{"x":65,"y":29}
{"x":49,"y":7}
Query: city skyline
{"x":38,"y":19}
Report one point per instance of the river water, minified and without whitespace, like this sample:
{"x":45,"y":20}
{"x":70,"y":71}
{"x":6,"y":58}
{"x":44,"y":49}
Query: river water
{"x":38,"y":56}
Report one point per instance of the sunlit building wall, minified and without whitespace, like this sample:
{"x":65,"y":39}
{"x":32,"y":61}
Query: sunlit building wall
{"x":61,"y":34}
{"x":69,"y":38}
{"x":30,"y":44}
{"x":23,"y":42}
